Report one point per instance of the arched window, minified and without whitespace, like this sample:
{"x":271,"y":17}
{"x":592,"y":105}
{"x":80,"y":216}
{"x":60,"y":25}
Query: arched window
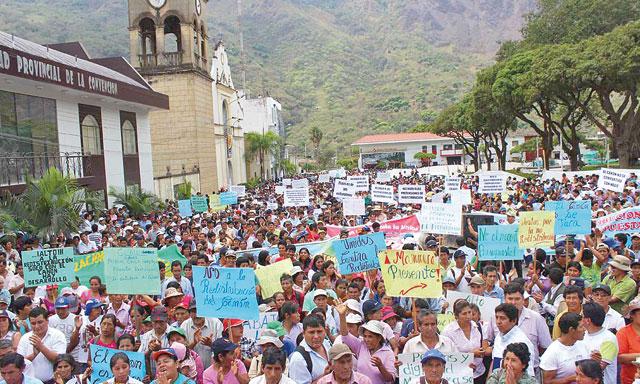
{"x":148,"y":36}
{"x":91,"y":140}
{"x":172,"y":42}
{"x":203,"y":41}
{"x":129,"y":142}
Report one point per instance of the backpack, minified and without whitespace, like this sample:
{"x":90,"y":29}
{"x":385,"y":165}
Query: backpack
{"x":307,"y":358}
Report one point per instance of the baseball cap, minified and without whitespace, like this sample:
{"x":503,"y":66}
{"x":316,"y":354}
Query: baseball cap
{"x":459,"y":253}
{"x":388,"y":312}
{"x":431,"y":243}
{"x":269,"y":336}
{"x":339,"y":350}
{"x":448,"y":279}
{"x":433,"y":354}
{"x":370,"y":306}
{"x":222,"y":345}
{"x":167,"y":351}
{"x":230,"y":323}
{"x":62,"y":302}
{"x":277,"y":327}
{"x":91,"y":304}
{"x":603,"y":287}
{"x":177,"y":330}
{"x":477,"y":280}
{"x":319,"y":292}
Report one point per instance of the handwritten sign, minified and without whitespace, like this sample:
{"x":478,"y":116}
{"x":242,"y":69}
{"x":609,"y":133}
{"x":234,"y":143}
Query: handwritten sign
{"x":383,"y":177}
{"x":452,"y":183}
{"x":360,"y":253}
{"x":300,"y":183}
{"x":101,"y":367}
{"x":444,"y":319}
{"x":456,"y":370}
{"x":499,"y":242}
{"x":225,"y":292}
{"x":184,"y":208}
{"x":48,"y":266}
{"x":623,"y":221}
{"x":280,"y":189}
{"x":411,"y":273}
{"x":573,"y":217}
{"x":461,"y":197}
{"x":296,"y":197}
{"x":239,"y":190}
{"x":353,"y":207}
{"x":392,"y":228}
{"x":536,"y":229}
{"x":492,"y":183}
{"x":612,"y":179}
{"x":411,"y":194}
{"x":131,"y":270}
{"x":252,"y":328}
{"x":442,"y":219}
{"x":214,"y":203}
{"x":343,"y":189}
{"x":362,"y":182}
{"x":487,"y":305}
{"x":199,"y":204}
{"x":324,"y":178}
{"x":269,"y":277}
{"x":382,"y":193}
{"x":228,"y":198}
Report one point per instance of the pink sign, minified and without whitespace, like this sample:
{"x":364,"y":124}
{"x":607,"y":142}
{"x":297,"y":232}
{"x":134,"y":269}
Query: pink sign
{"x":392,"y":228}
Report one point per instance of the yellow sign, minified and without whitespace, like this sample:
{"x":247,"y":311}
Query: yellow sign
{"x":536,"y":229}
{"x":269,"y":277}
{"x":411,"y":273}
{"x":445,"y":319}
{"x":214,"y":203}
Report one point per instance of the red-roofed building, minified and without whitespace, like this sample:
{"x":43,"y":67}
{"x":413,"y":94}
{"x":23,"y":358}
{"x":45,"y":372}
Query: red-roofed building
{"x":397,"y":148}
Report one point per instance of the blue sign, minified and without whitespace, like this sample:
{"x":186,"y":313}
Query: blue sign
{"x":228,"y":198}
{"x":184,"y":207}
{"x":573,"y":217}
{"x":360,"y":253}
{"x":225,"y":292}
{"x":101,"y":368}
{"x":499,"y":242}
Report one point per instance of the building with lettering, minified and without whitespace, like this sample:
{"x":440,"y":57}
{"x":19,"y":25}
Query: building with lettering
{"x":89,"y":118}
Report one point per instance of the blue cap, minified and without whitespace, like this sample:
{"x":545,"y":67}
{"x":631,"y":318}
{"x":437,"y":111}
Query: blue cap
{"x":433,"y":354}
{"x":370,"y":306}
{"x":91,"y":304}
{"x":62,"y":302}
{"x":448,"y":279}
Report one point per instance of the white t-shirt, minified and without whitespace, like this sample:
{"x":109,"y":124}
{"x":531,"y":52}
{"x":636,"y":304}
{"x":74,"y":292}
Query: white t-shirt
{"x":562,"y":358}
{"x":66,"y":327}
{"x":41,"y":367}
{"x":607,"y":343}
{"x":455,"y":273}
{"x":262,"y":380}
{"x":500,"y":342}
{"x":613,"y":320}
{"x":85,"y":337}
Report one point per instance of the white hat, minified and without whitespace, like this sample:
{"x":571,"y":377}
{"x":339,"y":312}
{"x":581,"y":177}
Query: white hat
{"x":354,"y":305}
{"x":319,"y":292}
{"x":296,"y":269}
{"x":374,"y":326}
{"x":269,"y":336}
{"x":352,"y":318}
{"x":128,"y":228}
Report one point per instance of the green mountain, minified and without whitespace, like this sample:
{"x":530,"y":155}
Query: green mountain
{"x":349,"y":67}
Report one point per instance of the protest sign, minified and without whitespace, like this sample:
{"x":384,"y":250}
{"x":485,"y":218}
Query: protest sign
{"x":131,"y":271}
{"x":392,"y":228}
{"x":300,"y":183}
{"x":441,"y":219}
{"x":381,"y":193}
{"x":324,"y":178}
{"x":86,"y":266}
{"x":411,"y":273}
{"x":228,"y":198}
{"x":383,"y":177}
{"x":280,"y":189}
{"x":101,"y":367}
{"x":492,"y":182}
{"x":499,"y":242}
{"x":456,"y":370}
{"x":272,"y":205}
{"x":452,"y":183}
{"x":612,"y":179}
{"x":199,"y":204}
{"x":48,"y":266}
{"x":184,"y":208}
{"x":239,"y":190}
{"x":353,"y":207}
{"x":286,"y":182}
{"x":360,"y":253}
{"x":573,"y":217}
{"x":362,"y":182}
{"x":324,"y":247}
{"x":343,"y":189}
{"x":444,"y":319}
{"x":486,"y":304}
{"x":296,"y":197}
{"x":168,"y":255}
{"x":252,"y":328}
{"x":624,"y":221}
{"x":437,"y":198}
{"x":461,"y":197}
{"x":225,"y":292}
{"x":214,"y":203}
{"x":410,"y":194}
{"x":269,"y":277}
{"x":536,"y":229}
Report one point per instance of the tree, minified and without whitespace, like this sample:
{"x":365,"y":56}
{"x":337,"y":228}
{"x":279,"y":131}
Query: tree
{"x":259,"y":145}
{"x":348,"y":163}
{"x":49,"y":205}
{"x":184,"y":191}
{"x":424,"y":157}
{"x":316,"y":139}
{"x":137,"y":201}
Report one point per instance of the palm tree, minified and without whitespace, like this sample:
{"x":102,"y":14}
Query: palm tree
{"x":316,"y":138}
{"x":137,"y":201}
{"x":258,"y":145}
{"x":49,"y":205}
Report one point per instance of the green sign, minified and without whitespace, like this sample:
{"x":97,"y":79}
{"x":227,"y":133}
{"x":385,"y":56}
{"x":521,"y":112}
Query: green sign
{"x":199,"y":204}
{"x":48,"y":266}
{"x":131,"y":271}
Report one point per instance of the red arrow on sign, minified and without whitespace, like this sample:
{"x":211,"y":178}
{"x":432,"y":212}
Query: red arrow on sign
{"x":421,"y":285}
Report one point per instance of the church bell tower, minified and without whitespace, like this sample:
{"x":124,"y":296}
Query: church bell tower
{"x":169,"y":47}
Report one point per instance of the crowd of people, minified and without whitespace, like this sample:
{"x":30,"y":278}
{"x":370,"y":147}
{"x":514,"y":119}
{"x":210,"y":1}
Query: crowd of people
{"x":569,"y":314}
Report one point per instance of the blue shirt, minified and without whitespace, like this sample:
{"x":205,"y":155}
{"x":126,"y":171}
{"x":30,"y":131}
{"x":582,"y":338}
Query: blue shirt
{"x":496,"y":293}
{"x":298,"y":371}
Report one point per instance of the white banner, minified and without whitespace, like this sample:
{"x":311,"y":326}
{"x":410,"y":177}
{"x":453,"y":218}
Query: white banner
{"x":383,"y":177}
{"x":300,"y":183}
{"x":382,"y":193}
{"x":296,"y":197}
{"x":487,"y":305}
{"x":461,"y":197}
{"x":613,"y":179}
{"x":353,"y":207}
{"x":343,"y":189}
{"x":441,"y":219}
{"x":280,"y":189}
{"x":456,"y":370}
{"x":411,"y":194}
{"x":452,"y":183}
{"x":239,"y":189}
{"x":324,"y":178}
{"x":492,"y":183}
{"x":286,"y":182}
{"x":362,"y":182}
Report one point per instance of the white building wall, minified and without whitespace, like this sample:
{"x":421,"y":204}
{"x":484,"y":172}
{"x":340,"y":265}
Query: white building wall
{"x":144,"y":152}
{"x":112,"y":149}
{"x":68,"y":126}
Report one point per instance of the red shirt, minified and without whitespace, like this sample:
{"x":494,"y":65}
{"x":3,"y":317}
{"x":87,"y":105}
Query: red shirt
{"x":628,"y":342}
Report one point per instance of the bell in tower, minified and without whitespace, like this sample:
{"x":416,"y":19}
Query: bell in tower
{"x":169,"y":47}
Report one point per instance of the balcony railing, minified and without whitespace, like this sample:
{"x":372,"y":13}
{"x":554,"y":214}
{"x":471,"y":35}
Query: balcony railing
{"x":14,"y":169}
{"x":451,"y":152}
{"x":148,"y":60}
{"x":172,"y":58}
